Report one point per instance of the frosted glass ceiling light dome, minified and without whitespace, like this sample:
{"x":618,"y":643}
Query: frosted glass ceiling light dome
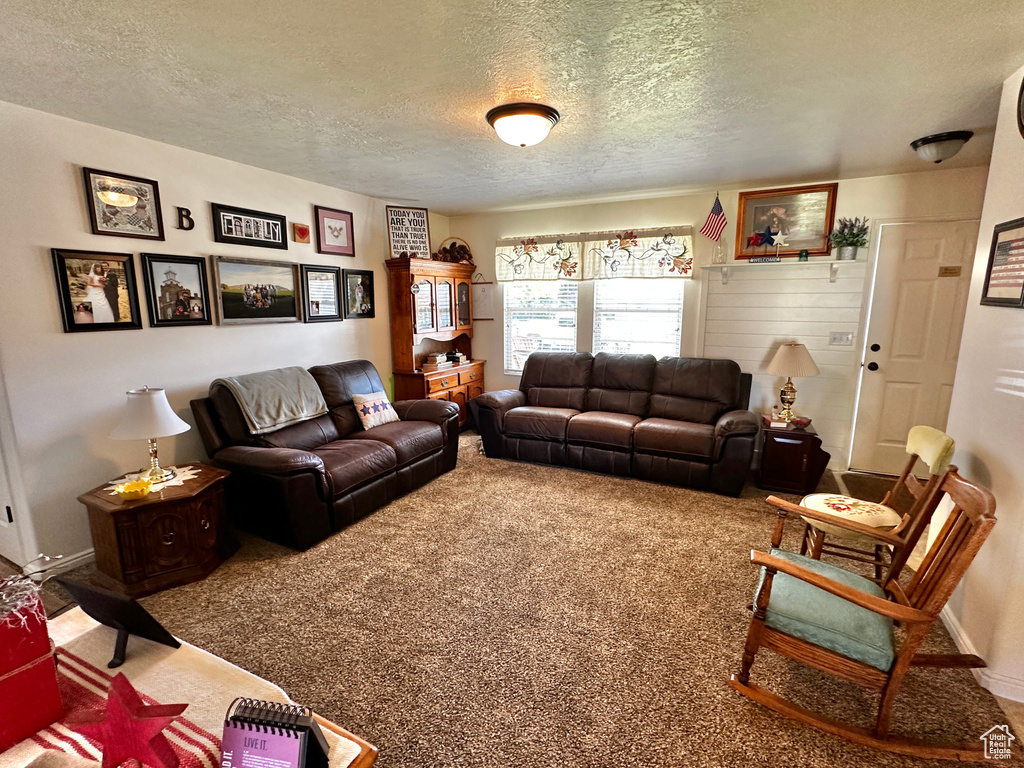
{"x":940,"y":146}
{"x":523,"y":124}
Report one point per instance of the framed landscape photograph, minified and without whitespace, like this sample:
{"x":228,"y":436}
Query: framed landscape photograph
{"x":408,"y":232}
{"x":321,"y":293}
{"x":255,"y":291}
{"x":1004,"y":277}
{"x":96,"y":290}
{"x":123,"y":206}
{"x":240,"y":226}
{"x":783,"y":222}
{"x":177,"y":290}
{"x":334,"y":232}
{"x":358,"y":293}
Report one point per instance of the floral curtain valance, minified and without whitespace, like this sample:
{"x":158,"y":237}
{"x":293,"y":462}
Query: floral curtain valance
{"x":662,"y":252}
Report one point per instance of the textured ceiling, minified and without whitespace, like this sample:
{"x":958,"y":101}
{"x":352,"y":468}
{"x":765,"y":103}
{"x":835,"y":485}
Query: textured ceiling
{"x":388,"y":98}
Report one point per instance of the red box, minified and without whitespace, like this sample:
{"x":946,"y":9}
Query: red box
{"x":29,"y":695}
{"x":23,"y":638}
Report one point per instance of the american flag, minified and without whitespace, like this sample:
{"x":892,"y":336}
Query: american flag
{"x":716,"y":221}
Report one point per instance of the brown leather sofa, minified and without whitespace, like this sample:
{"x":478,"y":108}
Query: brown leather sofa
{"x":677,"y":420}
{"x":301,"y":483}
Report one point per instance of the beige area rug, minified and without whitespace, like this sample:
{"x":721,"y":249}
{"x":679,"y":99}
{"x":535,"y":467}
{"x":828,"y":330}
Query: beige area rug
{"x":519,"y":615}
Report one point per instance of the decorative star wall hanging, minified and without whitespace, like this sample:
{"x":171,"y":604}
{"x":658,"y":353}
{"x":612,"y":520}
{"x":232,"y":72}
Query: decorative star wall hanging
{"x":766,"y":236}
{"x":128,"y":728}
{"x":780,"y":240}
{"x":754,"y":240}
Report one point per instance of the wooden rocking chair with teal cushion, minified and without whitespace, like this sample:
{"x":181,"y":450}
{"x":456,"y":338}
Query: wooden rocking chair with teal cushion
{"x":841,"y":623}
{"x":931,"y":446}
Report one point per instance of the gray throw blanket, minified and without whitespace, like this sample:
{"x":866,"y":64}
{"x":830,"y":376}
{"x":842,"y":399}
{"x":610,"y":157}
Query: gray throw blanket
{"x":273,"y":399}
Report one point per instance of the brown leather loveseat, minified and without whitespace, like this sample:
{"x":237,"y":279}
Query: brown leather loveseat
{"x":301,"y":483}
{"x":676,"y":420}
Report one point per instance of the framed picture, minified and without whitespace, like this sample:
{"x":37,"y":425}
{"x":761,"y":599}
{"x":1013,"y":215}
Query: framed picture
{"x":358,"y":293}
{"x":240,"y":226}
{"x":177,"y":290}
{"x":321,"y":293}
{"x":783,"y":222}
{"x":123,"y":206}
{"x":408,"y":232}
{"x":255,"y":291}
{"x":96,"y":290}
{"x":1004,"y":277}
{"x":334,"y":232}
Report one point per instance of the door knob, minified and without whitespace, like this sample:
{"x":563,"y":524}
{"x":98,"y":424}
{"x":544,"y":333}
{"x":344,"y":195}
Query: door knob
{"x":875,"y":347}
{"x":872,"y":366}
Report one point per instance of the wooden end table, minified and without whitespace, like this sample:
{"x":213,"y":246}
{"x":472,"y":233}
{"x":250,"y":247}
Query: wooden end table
{"x":791,"y":460}
{"x":171,"y":537}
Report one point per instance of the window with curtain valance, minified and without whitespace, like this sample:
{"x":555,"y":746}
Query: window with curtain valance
{"x":661,"y":252}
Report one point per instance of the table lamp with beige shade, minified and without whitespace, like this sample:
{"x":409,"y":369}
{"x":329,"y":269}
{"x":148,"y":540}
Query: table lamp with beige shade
{"x":791,"y":359}
{"x":147,"y":417}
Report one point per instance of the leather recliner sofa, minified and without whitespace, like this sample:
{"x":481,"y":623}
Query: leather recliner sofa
{"x":301,"y":483}
{"x":677,"y":420}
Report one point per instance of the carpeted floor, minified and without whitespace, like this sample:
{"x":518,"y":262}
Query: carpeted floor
{"x":519,"y":615}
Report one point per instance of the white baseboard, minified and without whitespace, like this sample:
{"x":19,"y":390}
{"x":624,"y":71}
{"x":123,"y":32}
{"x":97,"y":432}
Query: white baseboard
{"x":57,"y":567}
{"x":1001,"y":685}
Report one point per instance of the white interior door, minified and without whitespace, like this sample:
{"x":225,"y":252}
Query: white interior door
{"x":12,"y":545}
{"x":913,"y":339}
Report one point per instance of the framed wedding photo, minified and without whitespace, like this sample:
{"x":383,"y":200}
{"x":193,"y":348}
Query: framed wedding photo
{"x":123,"y":206}
{"x":358,"y":293}
{"x":177,"y":290}
{"x":240,"y":226}
{"x":256,"y":291}
{"x":783,"y":222}
{"x":1004,"y":276}
{"x":334,"y":232}
{"x":321,"y":293}
{"x":96,"y":290}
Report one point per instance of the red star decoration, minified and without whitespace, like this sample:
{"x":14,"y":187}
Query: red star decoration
{"x":754,"y":240}
{"x":128,"y":728}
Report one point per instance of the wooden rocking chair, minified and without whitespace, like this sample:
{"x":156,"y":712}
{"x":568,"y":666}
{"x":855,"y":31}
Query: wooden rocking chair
{"x":841,"y":623}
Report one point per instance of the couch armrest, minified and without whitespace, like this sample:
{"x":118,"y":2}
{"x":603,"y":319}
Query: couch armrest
{"x":436,"y":411}
{"x":732,"y":424}
{"x":501,"y":401}
{"x":271,"y":461}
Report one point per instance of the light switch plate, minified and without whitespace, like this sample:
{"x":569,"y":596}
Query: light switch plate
{"x":840,"y":339}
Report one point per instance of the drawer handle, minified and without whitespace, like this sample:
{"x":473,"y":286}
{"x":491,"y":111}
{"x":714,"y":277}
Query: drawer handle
{"x":472,"y":376}
{"x":444,"y":382}
{"x":169,"y":538}
{"x":204,"y":524}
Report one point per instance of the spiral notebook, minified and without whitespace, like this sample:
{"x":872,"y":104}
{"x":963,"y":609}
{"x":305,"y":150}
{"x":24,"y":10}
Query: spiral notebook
{"x":267,"y":734}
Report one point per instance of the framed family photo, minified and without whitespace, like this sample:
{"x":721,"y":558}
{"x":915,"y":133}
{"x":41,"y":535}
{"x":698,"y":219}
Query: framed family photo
{"x":123,"y":206}
{"x":334,"y":231}
{"x":1004,"y":276}
{"x":256,"y":291}
{"x":177,"y":290}
{"x":96,"y":290}
{"x":241,"y":226}
{"x":321,"y":293}
{"x":783,"y":222}
{"x":358,"y":293}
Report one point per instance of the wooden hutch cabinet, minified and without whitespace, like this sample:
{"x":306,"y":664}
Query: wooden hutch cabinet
{"x":432,"y":311}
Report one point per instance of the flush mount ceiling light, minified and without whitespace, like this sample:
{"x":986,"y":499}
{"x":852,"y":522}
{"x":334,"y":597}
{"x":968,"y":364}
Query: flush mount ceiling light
{"x":523,"y":124}
{"x":940,"y":146}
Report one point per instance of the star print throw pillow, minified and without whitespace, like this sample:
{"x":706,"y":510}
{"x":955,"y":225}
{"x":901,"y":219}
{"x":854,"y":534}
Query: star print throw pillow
{"x":374,"y":409}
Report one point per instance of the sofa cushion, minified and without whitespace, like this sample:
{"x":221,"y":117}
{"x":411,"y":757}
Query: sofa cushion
{"x":338,"y":382}
{"x":410,"y":440}
{"x":556,"y":379}
{"x":601,"y":429}
{"x":694,"y":389}
{"x":678,"y":439}
{"x":621,"y":383}
{"x":352,"y":463}
{"x":305,"y":435}
{"x":538,"y":423}
{"x":812,"y":614}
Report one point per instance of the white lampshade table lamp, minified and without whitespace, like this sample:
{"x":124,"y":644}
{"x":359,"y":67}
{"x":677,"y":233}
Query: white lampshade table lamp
{"x":791,"y":360}
{"x":148,"y":417}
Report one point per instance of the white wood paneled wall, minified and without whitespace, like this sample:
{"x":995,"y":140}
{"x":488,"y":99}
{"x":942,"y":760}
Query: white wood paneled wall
{"x":763,"y":306}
